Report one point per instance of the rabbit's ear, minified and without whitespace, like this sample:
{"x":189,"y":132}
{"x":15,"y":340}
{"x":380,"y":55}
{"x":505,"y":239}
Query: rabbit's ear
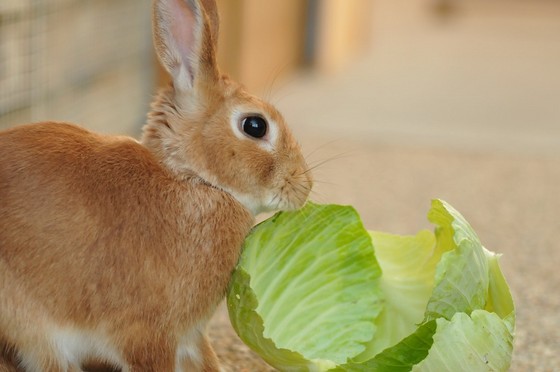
{"x":185,"y":38}
{"x":213,"y":17}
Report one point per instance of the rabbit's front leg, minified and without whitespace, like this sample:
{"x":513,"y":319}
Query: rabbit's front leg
{"x":209,"y":358}
{"x":149,"y":351}
{"x":196,"y":354}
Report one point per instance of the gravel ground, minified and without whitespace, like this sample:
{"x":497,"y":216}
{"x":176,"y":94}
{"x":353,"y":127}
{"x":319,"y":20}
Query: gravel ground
{"x":511,"y":200}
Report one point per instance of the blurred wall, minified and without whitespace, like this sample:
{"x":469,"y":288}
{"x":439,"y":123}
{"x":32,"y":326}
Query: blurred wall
{"x":260,"y":39}
{"x":474,"y":74}
{"x":342,"y":34}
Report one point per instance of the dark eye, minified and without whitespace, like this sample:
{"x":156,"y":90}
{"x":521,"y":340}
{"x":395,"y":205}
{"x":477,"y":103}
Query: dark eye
{"x":255,"y":126}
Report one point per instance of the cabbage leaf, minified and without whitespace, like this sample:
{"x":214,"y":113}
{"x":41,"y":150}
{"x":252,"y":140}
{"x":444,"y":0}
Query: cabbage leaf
{"x":315,"y":291}
{"x":315,"y":294}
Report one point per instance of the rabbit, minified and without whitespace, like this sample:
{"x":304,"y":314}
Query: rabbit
{"x":118,"y":251}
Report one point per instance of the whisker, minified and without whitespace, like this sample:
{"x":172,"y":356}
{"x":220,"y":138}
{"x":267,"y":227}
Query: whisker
{"x":301,"y":186}
{"x":324,"y":183}
{"x":340,"y":156}
{"x":273,"y":200}
{"x":318,"y":198}
{"x":278,"y":203}
{"x":273,"y":77}
{"x":304,"y":192}
{"x":320,"y":147}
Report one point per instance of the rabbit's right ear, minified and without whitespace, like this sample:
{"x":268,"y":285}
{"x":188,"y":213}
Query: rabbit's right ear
{"x":185,"y":38}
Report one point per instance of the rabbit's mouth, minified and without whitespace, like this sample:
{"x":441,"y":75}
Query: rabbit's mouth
{"x":290,"y":195}
{"x":292,"y":192}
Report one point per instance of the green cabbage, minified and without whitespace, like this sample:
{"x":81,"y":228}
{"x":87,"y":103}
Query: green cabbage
{"x":315,"y":291}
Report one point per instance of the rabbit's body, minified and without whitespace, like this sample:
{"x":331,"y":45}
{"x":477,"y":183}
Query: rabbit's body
{"x":118,"y":251}
{"x":123,"y":231}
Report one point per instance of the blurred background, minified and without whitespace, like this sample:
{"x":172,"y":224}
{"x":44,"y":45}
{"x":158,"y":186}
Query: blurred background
{"x":395,"y":101}
{"x":463,"y":72}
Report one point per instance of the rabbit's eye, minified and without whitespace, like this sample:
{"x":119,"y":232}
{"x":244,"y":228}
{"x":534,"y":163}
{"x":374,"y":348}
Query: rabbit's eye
{"x":255,"y":126}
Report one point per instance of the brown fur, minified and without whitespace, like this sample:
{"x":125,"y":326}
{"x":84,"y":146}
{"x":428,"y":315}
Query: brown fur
{"x":131,"y":245}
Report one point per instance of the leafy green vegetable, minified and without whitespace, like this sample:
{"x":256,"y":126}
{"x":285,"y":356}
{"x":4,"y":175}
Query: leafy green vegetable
{"x":408,"y":263}
{"x":462,"y":275}
{"x":479,"y":342}
{"x":317,"y":295}
{"x":311,"y":293}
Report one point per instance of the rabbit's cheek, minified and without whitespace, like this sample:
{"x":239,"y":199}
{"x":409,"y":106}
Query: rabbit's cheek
{"x":267,"y":172}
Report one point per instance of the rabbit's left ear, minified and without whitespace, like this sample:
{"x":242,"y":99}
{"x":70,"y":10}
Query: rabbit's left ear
{"x":185,"y":38}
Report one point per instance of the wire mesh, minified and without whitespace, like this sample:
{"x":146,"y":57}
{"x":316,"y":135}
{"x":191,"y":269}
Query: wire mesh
{"x":85,"y":61}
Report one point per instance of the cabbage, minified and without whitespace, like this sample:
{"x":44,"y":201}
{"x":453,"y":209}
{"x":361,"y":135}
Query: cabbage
{"x":315,"y":291}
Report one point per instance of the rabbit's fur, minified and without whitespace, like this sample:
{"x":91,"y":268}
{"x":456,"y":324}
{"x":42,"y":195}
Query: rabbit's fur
{"x":117,"y":251}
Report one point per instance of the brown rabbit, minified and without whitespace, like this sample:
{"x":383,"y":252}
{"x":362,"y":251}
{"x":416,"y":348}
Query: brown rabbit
{"x":118,"y":251}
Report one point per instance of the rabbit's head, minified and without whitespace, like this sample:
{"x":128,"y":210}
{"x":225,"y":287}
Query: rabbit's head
{"x":206,"y":125}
